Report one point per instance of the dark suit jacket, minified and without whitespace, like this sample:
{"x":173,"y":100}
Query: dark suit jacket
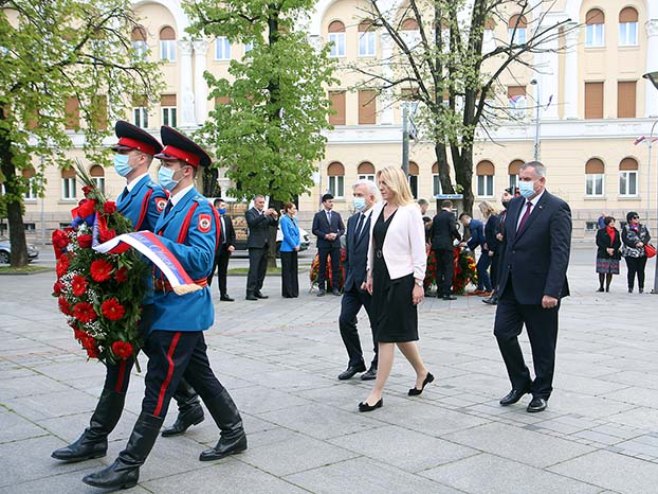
{"x":259,"y":228}
{"x":444,"y":230}
{"x":356,"y":248}
{"x":477,"y":235}
{"x":603,"y":242}
{"x":490,"y":228}
{"x":228,"y":233}
{"x":536,"y":258}
{"x":321,"y":227}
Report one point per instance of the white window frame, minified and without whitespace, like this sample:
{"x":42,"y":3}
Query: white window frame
{"x":367,"y":177}
{"x":168,"y":50}
{"x":594,"y":35}
{"x":141,"y":117}
{"x":337,"y":186}
{"x":140,"y":48}
{"x":69,"y":187}
{"x":625,"y":175}
{"x":30,"y":194}
{"x":436,"y":185}
{"x":367,"y":44}
{"x":518,"y":35}
{"x":222,"y":48}
{"x":485,"y":182}
{"x":337,"y":42}
{"x":99,"y":182}
{"x":628,"y":34}
{"x":248,"y":46}
{"x":169,"y":116}
{"x":513,"y":182}
{"x":591,"y":181}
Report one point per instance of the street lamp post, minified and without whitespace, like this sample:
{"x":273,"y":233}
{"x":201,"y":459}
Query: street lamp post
{"x":653,"y":77}
{"x":535,"y":83}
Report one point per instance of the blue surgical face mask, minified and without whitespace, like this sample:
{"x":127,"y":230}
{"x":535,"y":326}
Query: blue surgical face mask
{"x":121,"y":165}
{"x":166,"y":178}
{"x":359,"y":203}
{"x":221,"y":210}
{"x":527,"y":189}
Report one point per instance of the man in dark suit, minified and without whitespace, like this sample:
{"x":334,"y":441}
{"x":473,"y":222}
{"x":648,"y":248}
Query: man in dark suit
{"x":224,"y":251}
{"x":532,"y":280}
{"x":354,"y":294}
{"x":259,"y":221}
{"x":444,"y":233}
{"x":328,"y":226}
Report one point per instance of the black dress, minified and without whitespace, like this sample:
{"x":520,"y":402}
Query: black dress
{"x":395,"y":315}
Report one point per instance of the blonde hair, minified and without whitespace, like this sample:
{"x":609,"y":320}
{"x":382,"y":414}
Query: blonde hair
{"x":486,"y":209}
{"x":396,"y":180}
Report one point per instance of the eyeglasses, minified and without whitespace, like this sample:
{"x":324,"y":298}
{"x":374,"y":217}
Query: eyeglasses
{"x":635,"y":218}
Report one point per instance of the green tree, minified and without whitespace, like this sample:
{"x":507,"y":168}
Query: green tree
{"x":440,"y":61}
{"x":266,"y":131}
{"x":54,"y":52}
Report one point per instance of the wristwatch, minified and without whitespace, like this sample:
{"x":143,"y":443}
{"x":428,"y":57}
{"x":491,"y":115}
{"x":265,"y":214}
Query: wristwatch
{"x":419,"y":283}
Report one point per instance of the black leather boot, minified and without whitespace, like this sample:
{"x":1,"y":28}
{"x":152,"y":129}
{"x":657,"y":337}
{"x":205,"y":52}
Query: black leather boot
{"x":189,"y":410}
{"x":93,"y":441}
{"x":232,"y":439}
{"x":124,"y":472}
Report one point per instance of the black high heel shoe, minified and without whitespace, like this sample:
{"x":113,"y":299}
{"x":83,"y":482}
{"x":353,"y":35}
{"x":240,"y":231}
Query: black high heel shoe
{"x":364,"y":407}
{"x":415,"y":391}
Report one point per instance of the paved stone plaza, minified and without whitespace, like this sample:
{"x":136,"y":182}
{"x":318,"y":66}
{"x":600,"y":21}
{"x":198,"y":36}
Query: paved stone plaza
{"x":279,"y":358}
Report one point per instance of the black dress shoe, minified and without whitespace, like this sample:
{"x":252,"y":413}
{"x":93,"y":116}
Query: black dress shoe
{"x":428,"y":379}
{"x":350,"y":371}
{"x":364,"y":407}
{"x":185,"y":420}
{"x":251,"y":297}
{"x":322,"y":292}
{"x":537,"y":405}
{"x":336,"y":292}
{"x":449,"y":297}
{"x":260,"y":295}
{"x":369,"y":375}
{"x":226,"y":298}
{"x":513,"y":396}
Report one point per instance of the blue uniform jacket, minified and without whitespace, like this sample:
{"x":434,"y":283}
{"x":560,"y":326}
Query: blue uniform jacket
{"x":290,"y":232}
{"x":194,"y":311}
{"x":477,"y":235}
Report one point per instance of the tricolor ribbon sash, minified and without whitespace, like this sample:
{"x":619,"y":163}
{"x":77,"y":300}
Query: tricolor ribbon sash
{"x":150,"y":246}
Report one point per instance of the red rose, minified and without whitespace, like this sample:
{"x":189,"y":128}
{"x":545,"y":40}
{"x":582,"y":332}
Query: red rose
{"x":84,"y":312}
{"x":63,"y":264}
{"x":122,"y":349}
{"x":105,"y":235}
{"x":100,"y":270}
{"x":64,"y":306}
{"x":121,"y":276}
{"x":86,"y":208}
{"x":78,"y":285}
{"x":85,"y":240}
{"x":58,"y":288}
{"x":112,"y":309}
{"x":92,"y":348}
{"x":60,"y":240}
{"x":86,"y":190}
{"x":110,"y":207}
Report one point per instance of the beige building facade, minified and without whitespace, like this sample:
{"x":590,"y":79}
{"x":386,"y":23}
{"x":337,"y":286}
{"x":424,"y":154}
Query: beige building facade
{"x":599,"y":106}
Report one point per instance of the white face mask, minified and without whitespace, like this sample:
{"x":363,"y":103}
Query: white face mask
{"x":166,"y":178}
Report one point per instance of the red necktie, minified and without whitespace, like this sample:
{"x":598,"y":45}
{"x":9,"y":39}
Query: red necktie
{"x":525,"y":216}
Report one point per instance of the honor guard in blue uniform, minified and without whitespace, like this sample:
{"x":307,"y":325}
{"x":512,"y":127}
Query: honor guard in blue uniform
{"x":142,"y":201}
{"x":189,"y":229}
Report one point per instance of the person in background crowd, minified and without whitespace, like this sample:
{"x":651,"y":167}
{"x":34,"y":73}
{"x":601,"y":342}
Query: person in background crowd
{"x":427,"y":220}
{"x":478,"y":239}
{"x":499,"y":235}
{"x":328,"y":227}
{"x":635,"y":236}
{"x":444,"y":233}
{"x":290,"y":245}
{"x":259,"y":221}
{"x":601,"y":221}
{"x":490,"y":225}
{"x":226,"y":248}
{"x":608,"y":255}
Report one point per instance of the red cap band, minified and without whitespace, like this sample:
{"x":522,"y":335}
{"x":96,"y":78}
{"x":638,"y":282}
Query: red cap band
{"x":139,"y":145}
{"x":189,"y":158}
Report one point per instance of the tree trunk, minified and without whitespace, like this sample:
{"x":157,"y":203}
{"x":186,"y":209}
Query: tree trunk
{"x":444,"y":167}
{"x":464,"y":176}
{"x":14,"y":201}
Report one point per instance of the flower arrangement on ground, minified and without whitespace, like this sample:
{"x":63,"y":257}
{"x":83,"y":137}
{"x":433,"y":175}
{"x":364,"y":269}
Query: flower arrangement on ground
{"x":465,"y":270}
{"x":100,"y":294}
{"x":315,"y":269}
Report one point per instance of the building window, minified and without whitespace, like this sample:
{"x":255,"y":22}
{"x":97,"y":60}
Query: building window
{"x":222,"y":48}
{"x":336,"y":39}
{"x":594,"y":174}
{"x":337,"y":100}
{"x":68,"y":184}
{"x":138,"y":38}
{"x":517,"y":29}
{"x":31,"y":185}
{"x":513,"y":172}
{"x":628,"y":177}
{"x":410,"y":32}
{"x":593,"y":100}
{"x":367,"y":107}
{"x":436,"y":182}
{"x":366,"y":171}
{"x":367,"y":40}
{"x":97,"y":174}
{"x":516,"y":96}
{"x":72,"y":114}
{"x":485,"y":178}
{"x":168,"y":106}
{"x":626,"y":96}
{"x":594,"y":28}
{"x":628,"y":27}
{"x":336,"y":172}
{"x":248,"y":46}
{"x":413,"y":179}
{"x":141,"y":117}
{"x":167,"y":44}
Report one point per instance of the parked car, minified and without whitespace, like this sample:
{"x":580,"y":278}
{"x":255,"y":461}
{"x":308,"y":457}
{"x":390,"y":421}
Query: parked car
{"x":5,"y":252}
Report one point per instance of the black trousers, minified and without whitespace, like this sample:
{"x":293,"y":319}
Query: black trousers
{"x":325,"y":252}
{"x":351,"y":304}
{"x":221,"y":263}
{"x":542,"y":326}
{"x":495,"y":261}
{"x":257,"y":269}
{"x":289,"y":277}
{"x":172,"y":355}
{"x":635,"y":266}
{"x":444,"y":271}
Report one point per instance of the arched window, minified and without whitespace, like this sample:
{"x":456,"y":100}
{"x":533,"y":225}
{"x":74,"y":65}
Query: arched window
{"x":436,"y":183}
{"x":97,"y":174}
{"x":138,"y":38}
{"x":414,"y":171}
{"x":595,"y":28}
{"x":513,"y":172}
{"x":517,"y":28}
{"x":594,"y":175}
{"x":367,"y":39}
{"x":336,"y":38}
{"x":366,"y":171}
{"x":485,"y":171}
{"x":628,"y":27}
{"x":409,"y":24}
{"x":168,"y":44}
{"x":628,"y":177}
{"x":30,"y":175}
{"x":336,"y":173}
{"x":68,"y":184}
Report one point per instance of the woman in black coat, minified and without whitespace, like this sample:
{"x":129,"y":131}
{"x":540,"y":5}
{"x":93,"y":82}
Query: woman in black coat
{"x":608,"y":255}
